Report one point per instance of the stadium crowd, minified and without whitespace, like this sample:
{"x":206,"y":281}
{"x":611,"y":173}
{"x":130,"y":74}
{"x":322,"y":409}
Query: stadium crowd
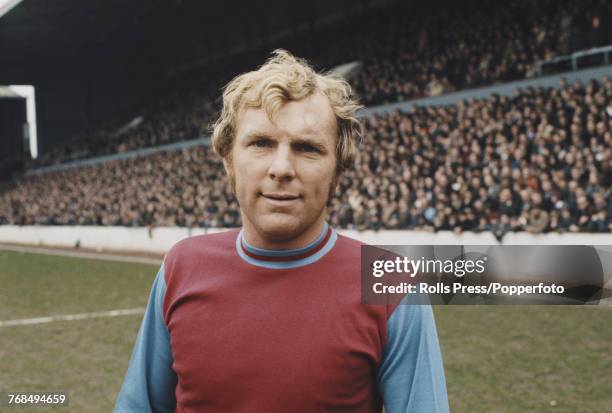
{"x":537,"y":161}
{"x":472,"y":45}
{"x":407,"y":52}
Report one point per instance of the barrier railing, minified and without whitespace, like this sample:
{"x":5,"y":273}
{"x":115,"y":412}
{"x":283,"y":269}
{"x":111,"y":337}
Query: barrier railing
{"x":577,"y":60}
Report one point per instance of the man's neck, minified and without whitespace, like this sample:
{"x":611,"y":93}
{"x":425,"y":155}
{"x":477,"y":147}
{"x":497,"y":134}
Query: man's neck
{"x":257,"y":240}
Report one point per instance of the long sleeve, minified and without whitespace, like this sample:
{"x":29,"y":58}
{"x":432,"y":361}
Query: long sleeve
{"x":150,"y":382}
{"x":411,"y":375}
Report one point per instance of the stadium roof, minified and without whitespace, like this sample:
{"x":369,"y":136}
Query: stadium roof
{"x":79,"y":35}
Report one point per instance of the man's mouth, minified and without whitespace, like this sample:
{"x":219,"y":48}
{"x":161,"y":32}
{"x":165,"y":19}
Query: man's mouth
{"x":280,"y":196}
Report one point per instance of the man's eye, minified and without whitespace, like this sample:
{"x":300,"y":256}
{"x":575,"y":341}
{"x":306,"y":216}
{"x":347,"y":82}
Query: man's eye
{"x":261,"y":143}
{"x":304,"y":147}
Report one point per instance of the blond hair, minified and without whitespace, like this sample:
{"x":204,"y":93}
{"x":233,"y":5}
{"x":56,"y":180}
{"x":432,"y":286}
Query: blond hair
{"x":281,"y":79}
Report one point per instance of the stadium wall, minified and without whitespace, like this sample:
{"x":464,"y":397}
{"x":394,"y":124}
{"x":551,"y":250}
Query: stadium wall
{"x":159,"y":240}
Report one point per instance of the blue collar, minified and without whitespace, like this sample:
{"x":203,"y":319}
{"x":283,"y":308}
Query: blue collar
{"x":291,"y":258}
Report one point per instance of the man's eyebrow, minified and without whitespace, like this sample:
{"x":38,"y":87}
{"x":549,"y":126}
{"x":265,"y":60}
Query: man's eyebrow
{"x":257,"y":134}
{"x":309,"y":141}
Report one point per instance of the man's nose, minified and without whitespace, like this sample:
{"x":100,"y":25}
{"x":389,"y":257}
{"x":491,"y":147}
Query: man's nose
{"x":282,"y":167}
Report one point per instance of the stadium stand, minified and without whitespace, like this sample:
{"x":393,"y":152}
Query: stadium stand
{"x":538,"y":161}
{"x":181,"y":115}
{"x":478,"y":46}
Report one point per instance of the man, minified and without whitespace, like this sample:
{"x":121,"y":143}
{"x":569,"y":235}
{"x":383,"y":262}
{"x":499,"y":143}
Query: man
{"x":269,"y":318}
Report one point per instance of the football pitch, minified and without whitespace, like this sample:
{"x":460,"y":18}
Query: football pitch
{"x":497,"y":359}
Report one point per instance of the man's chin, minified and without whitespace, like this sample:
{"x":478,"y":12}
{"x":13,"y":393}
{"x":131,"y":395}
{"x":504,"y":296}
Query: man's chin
{"x":278,"y":227}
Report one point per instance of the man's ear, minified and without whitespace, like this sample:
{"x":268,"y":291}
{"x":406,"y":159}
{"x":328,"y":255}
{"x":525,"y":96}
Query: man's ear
{"x":229,"y":170}
{"x":332,"y":188}
{"x":227,"y":165}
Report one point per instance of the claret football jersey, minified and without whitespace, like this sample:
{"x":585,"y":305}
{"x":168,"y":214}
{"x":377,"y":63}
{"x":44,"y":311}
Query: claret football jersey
{"x":230,"y":328}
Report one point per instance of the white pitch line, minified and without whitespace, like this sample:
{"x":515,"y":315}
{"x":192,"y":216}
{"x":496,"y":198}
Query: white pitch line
{"x":71,"y":317}
{"x":82,"y":254}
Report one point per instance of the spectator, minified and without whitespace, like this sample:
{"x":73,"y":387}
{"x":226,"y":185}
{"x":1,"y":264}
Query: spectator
{"x":537,"y":221}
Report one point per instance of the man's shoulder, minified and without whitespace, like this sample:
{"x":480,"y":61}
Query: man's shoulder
{"x":350,"y":242}
{"x":199,"y":246}
{"x":347,"y":246}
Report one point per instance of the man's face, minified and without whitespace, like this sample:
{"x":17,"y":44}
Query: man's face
{"x":283,"y":171}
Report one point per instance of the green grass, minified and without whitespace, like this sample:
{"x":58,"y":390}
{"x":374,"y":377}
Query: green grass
{"x":87,"y":358}
{"x":527,"y":359}
{"x":497,"y":359}
{"x":36,"y":285}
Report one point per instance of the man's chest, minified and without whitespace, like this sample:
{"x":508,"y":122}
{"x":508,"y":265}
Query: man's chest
{"x":278,"y":345}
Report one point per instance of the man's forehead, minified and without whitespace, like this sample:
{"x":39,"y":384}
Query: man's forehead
{"x":312,"y":116}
